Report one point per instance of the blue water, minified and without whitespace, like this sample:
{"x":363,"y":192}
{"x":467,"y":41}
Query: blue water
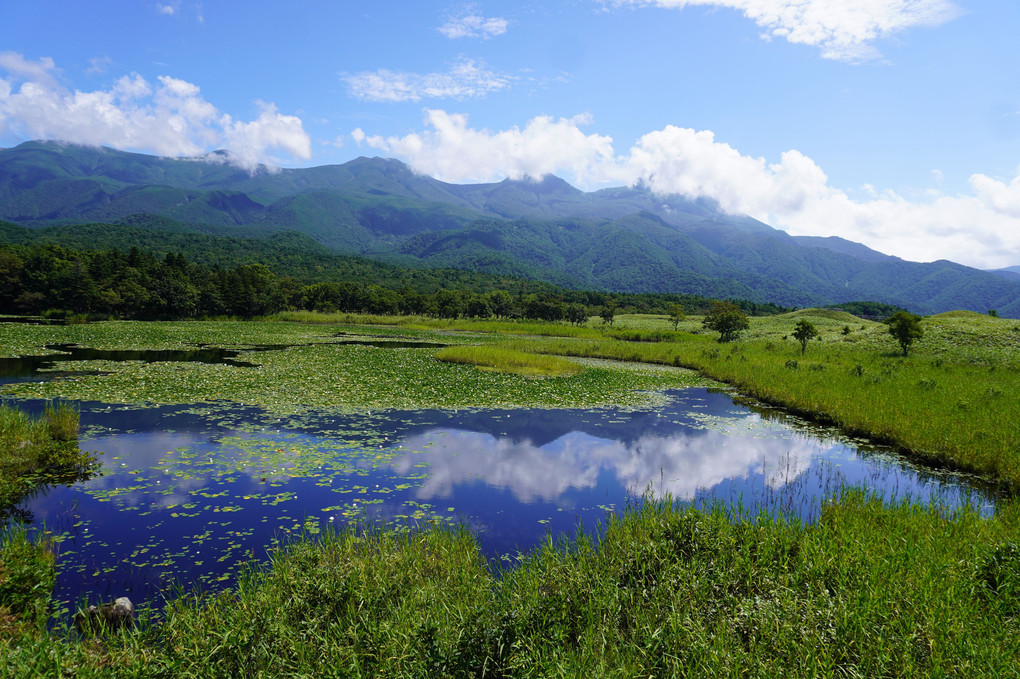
{"x":188,"y":494}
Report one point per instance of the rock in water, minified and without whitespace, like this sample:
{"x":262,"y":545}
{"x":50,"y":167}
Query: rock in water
{"x":112,"y":616}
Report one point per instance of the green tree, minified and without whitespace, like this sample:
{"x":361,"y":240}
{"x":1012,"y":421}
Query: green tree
{"x":676,"y":314}
{"x":501,"y":303}
{"x":905,"y":327}
{"x":448,"y":303}
{"x":477,"y":306}
{"x":608,"y":312}
{"x":804,"y":332}
{"x":727,"y":319}
{"x":577,"y":314}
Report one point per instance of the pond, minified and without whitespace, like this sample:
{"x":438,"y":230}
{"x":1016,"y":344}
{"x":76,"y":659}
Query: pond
{"x":189,"y":493}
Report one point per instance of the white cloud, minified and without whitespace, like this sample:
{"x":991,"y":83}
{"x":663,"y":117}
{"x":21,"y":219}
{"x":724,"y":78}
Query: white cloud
{"x":177,"y":8}
{"x":470,"y":25}
{"x":452,"y":151}
{"x":979,"y":228}
{"x":1003,"y":197}
{"x":250,"y":142}
{"x":842,"y":29}
{"x":464,"y":80}
{"x":38,"y":71}
{"x":168,"y":118}
{"x":99,"y":65}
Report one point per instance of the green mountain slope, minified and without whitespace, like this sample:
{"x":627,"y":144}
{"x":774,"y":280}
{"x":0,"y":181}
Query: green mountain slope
{"x":625,"y":239}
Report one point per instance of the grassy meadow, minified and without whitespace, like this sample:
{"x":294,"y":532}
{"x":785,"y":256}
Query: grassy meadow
{"x":869,"y":589}
{"x":953,"y":401}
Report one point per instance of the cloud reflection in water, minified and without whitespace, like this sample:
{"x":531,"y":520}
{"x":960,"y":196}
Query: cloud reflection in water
{"x":678,"y":465}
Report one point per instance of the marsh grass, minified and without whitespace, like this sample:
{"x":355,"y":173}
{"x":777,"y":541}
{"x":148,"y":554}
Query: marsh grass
{"x":866,"y":590}
{"x":504,"y":359}
{"x":953,"y":402}
{"x":27,"y":575}
{"x":34,"y":450}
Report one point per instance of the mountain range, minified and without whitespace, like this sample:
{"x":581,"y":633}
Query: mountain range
{"x":619,"y":239}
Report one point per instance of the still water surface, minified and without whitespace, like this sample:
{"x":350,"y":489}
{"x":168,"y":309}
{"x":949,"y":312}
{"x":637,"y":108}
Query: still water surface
{"x":188,"y":494}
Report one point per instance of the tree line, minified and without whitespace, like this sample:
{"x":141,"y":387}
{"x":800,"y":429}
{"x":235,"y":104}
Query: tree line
{"x":138,"y":284}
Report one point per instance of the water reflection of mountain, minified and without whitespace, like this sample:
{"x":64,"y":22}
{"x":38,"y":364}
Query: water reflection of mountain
{"x":678,"y":465}
{"x":682,"y":410}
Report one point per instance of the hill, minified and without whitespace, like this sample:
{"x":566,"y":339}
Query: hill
{"x":620,"y":239}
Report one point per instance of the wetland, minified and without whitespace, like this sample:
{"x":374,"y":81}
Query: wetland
{"x":212,"y":455}
{"x":360,"y":496}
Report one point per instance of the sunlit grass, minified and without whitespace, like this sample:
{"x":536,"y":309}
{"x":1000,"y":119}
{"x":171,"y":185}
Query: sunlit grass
{"x":34,"y":447}
{"x":867,"y":590}
{"x":27,"y":575}
{"x":502,"y":359}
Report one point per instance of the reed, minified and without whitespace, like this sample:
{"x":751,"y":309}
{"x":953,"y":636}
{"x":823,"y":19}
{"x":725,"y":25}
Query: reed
{"x":32,"y":449}
{"x":866,"y":590}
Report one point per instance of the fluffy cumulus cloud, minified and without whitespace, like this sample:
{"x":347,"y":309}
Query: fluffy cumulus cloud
{"x":466,"y":79}
{"x":842,"y":29}
{"x":451,"y":150}
{"x":980,"y":227}
{"x":472,"y":25}
{"x":169,"y":117}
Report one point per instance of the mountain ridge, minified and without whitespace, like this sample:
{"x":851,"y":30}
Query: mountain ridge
{"x":617,"y":239}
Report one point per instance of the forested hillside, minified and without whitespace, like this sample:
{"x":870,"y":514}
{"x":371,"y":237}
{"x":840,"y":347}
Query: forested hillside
{"x":614,"y":240}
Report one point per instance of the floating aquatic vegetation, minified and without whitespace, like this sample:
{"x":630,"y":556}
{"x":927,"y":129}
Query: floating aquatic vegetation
{"x":315,"y":373}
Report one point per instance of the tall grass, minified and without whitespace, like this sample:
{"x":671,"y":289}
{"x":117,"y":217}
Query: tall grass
{"x":33,"y":449}
{"x":483,"y":325}
{"x":867,"y":590}
{"x":27,"y":575}
{"x":945,"y":403}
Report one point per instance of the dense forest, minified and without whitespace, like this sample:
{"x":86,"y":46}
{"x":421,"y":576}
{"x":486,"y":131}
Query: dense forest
{"x":140,"y":284}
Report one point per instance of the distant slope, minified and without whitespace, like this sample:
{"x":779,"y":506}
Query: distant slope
{"x":1010,"y":273}
{"x":844,"y":247}
{"x":622,"y":239}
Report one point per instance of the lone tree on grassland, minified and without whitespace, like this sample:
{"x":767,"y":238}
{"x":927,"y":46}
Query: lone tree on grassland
{"x":608,"y":312}
{"x":676,"y":314}
{"x":905,"y":327}
{"x":804,"y":332}
{"x":727,"y":319}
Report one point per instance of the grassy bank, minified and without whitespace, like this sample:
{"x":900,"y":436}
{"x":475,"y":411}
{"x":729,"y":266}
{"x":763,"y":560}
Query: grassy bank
{"x":27,"y":575}
{"x":867,"y":590}
{"x":33,"y":450}
{"x":953,"y":401}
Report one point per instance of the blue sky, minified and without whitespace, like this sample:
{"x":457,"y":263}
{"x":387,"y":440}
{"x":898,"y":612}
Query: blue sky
{"x":895,"y":123}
